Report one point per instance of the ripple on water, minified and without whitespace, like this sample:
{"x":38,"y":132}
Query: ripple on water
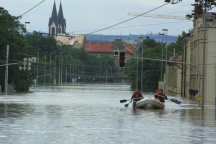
{"x":92,"y":113}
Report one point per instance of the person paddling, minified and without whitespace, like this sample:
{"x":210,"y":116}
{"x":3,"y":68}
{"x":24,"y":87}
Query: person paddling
{"x":136,"y":97}
{"x":156,"y":93}
{"x":162,"y":96}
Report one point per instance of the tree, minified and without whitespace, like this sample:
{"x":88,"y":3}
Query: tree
{"x":11,"y":34}
{"x":151,"y":69}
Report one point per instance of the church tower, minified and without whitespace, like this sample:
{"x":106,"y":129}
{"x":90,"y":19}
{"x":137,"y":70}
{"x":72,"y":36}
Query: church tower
{"x":57,"y":23}
{"x":61,"y":21}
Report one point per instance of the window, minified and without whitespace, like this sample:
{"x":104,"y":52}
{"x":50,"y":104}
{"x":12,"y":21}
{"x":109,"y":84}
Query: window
{"x":53,"y":30}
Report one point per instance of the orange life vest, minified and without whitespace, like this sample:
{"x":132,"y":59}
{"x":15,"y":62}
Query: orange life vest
{"x":137,"y":95}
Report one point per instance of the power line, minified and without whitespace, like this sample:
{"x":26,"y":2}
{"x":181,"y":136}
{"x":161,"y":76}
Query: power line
{"x":136,"y":26}
{"x":127,"y":20}
{"x":31,"y":9}
{"x":124,"y":21}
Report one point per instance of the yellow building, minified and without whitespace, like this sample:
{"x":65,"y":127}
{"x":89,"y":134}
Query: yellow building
{"x":193,"y":53}
{"x":173,"y":83}
{"x":186,"y":68}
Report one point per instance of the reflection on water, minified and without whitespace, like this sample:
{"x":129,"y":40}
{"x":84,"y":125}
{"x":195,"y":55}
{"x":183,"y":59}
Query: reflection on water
{"x":92,"y":113}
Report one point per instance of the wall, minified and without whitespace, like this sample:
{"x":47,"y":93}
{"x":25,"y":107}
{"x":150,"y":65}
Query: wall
{"x":196,"y":57}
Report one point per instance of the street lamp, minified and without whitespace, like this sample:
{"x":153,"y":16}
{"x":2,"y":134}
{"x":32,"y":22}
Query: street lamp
{"x":141,"y":39}
{"x":37,"y":63}
{"x":166,"y":30}
{"x":25,"y":27}
{"x":27,"y":63}
{"x":136,"y":56}
{"x":162,"y":57}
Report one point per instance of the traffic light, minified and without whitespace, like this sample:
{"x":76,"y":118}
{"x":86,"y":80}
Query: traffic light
{"x":122,"y":59}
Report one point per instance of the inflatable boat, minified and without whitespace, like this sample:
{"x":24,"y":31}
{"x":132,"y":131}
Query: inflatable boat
{"x":150,"y":104}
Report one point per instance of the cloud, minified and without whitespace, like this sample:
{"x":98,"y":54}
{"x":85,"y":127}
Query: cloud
{"x":96,"y":14}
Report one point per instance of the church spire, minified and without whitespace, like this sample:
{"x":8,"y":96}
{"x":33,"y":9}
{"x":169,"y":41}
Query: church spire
{"x":57,"y":23}
{"x":61,"y":19}
{"x":54,"y":17}
{"x":53,"y":22}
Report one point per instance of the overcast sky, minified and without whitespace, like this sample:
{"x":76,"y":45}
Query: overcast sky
{"x":86,"y":16}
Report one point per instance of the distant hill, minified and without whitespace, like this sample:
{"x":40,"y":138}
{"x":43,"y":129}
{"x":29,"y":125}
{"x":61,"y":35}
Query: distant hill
{"x":131,"y":38}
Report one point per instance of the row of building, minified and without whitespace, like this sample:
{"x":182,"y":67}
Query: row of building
{"x":197,"y":47}
{"x":57,"y":28}
{"x":182,"y":79}
{"x":98,"y":48}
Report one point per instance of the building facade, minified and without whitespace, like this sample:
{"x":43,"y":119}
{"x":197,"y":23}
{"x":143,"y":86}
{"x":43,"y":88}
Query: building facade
{"x":173,"y":83}
{"x":109,"y":48}
{"x":186,"y":68}
{"x":201,"y":39}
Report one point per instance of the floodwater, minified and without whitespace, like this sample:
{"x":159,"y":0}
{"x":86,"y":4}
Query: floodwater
{"x":92,"y":113}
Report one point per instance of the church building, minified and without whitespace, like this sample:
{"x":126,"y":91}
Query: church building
{"x":57,"y":23}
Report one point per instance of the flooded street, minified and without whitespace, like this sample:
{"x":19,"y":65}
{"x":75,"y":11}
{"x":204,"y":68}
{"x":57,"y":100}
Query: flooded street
{"x":92,"y":113}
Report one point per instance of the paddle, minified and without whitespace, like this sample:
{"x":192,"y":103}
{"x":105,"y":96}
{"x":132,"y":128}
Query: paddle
{"x":126,"y":105}
{"x":124,"y":100}
{"x":176,"y":101}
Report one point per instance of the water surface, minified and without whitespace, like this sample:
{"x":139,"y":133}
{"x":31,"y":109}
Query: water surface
{"x":92,"y":113}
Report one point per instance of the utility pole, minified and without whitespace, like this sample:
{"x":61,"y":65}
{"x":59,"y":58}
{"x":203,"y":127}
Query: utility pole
{"x":54,"y":78}
{"x":203,"y":68}
{"x":78,"y":72}
{"x":50,"y":70}
{"x":84,"y":72}
{"x":75,"y":67}
{"x":106,"y":76}
{"x":37,"y":64}
{"x":100,"y":71}
{"x":6,"y":71}
{"x":70,"y":72}
{"x":59,"y":70}
{"x":74,"y":71}
{"x":66,"y":73}
{"x":166,"y":63}
{"x":137,"y":70}
{"x":162,"y":58}
{"x":142,"y":67}
{"x":45,"y":70}
{"x":111,"y":73}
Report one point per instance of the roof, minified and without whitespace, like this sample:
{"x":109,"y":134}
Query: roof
{"x":70,"y":39}
{"x":102,"y":47}
{"x":129,"y":48}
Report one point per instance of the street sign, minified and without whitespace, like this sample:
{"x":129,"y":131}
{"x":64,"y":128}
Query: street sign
{"x":198,"y":96}
{"x":160,"y":85}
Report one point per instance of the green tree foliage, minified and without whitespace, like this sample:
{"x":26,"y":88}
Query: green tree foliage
{"x":202,"y":6}
{"x":11,"y":34}
{"x":44,"y":44}
{"x":151,"y":69}
{"x":73,"y":61}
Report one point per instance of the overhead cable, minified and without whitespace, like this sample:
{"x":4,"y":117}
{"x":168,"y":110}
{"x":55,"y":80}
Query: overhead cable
{"x":127,"y":20}
{"x":31,"y":9}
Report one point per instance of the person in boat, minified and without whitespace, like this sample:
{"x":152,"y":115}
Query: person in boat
{"x":162,"y":96}
{"x":156,"y":93}
{"x":136,"y":97}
